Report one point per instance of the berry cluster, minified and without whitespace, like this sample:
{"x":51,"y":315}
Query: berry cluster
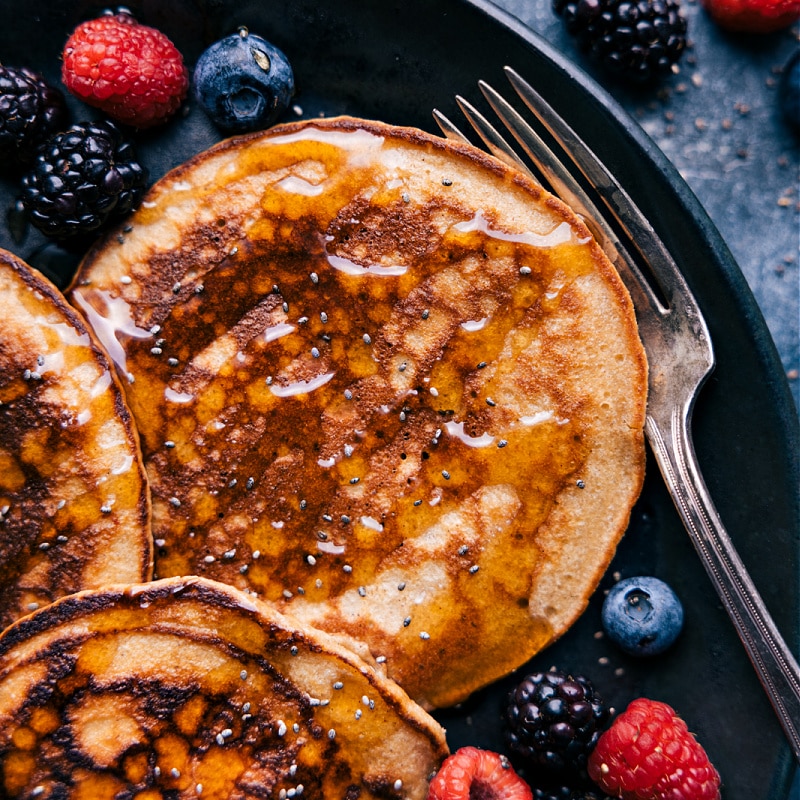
{"x":647,"y":753}
{"x":83,"y":177}
{"x":557,"y":728}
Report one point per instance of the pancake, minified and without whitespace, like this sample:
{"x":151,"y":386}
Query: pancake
{"x":74,"y":501}
{"x":189,"y":688}
{"x":383,"y":382}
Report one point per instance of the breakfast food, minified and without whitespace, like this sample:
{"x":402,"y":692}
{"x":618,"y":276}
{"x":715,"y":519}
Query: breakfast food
{"x":639,"y":42}
{"x":642,"y":615}
{"x":243,"y":82}
{"x":382,"y":381}
{"x":189,"y":688}
{"x":553,"y":721}
{"x":132,"y":72}
{"x":81,"y":179}
{"x":30,"y":110}
{"x":648,"y":753}
{"x":74,"y":503}
{"x":471,"y":772}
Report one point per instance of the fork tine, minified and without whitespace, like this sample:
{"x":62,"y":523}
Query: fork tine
{"x":448,"y":127}
{"x":496,"y":144}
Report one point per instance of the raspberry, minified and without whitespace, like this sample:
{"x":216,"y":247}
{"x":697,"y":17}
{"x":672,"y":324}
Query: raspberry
{"x":130,"y":71}
{"x":649,"y":754}
{"x":472,"y":773}
{"x":753,"y":16}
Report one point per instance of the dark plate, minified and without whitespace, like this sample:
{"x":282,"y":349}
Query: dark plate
{"x":396,"y":61}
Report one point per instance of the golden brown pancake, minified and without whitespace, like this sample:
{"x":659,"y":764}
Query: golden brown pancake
{"x":382,"y":381}
{"x":74,"y":502}
{"x":188,"y":688}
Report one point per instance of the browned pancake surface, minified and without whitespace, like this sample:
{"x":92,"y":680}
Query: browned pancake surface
{"x":382,"y":381}
{"x":185,"y":689}
{"x":74,"y":504}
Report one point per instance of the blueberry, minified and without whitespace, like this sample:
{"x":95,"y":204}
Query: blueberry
{"x":642,"y":615}
{"x":790,"y":90}
{"x":243,"y":82}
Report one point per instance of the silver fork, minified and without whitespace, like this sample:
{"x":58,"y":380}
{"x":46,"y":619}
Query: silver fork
{"x":680,"y":355}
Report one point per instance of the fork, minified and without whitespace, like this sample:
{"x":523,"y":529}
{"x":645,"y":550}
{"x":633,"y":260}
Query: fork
{"x":680,"y":355}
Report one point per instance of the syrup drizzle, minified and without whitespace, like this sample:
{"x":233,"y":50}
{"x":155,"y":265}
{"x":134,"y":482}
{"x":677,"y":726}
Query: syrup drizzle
{"x":375,"y":389}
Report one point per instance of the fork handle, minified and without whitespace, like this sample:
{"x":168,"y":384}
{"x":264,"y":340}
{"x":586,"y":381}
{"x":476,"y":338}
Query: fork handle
{"x":775,"y":664}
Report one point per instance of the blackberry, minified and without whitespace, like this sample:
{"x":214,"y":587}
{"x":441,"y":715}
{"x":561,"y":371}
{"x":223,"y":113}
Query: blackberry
{"x":638,"y":40}
{"x":553,"y":721}
{"x":30,"y":111}
{"x":82,"y":179}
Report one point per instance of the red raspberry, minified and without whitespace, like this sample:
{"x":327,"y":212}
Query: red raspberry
{"x":130,"y":71}
{"x":649,"y":754}
{"x":472,"y":773}
{"x":753,"y":16}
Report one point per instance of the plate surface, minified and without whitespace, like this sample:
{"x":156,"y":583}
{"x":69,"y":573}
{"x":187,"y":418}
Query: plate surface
{"x":395,"y":62}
